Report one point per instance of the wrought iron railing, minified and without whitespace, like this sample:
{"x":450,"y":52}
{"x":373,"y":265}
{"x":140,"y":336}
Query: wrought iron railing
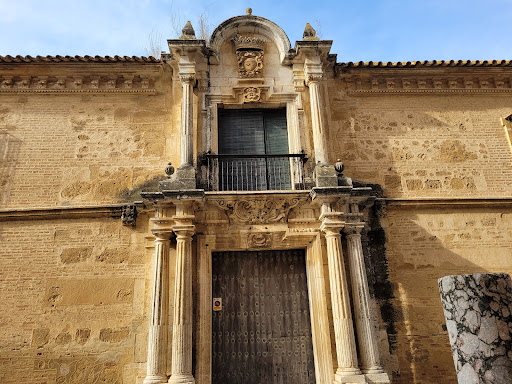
{"x":254,"y":172}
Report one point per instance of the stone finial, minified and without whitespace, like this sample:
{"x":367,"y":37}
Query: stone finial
{"x":188,"y":32}
{"x":248,"y":11}
{"x":169,"y":170}
{"x":339,"y":167}
{"x":309,"y":33}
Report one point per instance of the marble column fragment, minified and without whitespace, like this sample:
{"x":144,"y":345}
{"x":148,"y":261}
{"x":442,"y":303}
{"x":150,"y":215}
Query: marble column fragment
{"x":478,"y":316}
{"x":368,"y":348}
{"x":157,"y":340}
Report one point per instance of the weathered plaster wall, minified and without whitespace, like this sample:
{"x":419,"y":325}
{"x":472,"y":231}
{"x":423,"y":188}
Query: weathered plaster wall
{"x":75,"y":300}
{"x":421,"y":246}
{"x":426,"y":145}
{"x":77,"y":149}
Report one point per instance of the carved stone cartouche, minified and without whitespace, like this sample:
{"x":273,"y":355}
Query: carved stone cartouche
{"x":249,"y":53}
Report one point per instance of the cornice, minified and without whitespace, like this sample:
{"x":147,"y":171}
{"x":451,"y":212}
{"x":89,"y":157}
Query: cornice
{"x":94,"y":83}
{"x":424,"y":91}
{"x":445,"y":203}
{"x":418,"y":83}
{"x":96,"y":91}
{"x":57,"y":213}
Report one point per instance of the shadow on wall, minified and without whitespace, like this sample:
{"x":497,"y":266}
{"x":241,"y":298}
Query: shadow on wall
{"x":9,"y":154}
{"x":422,"y":245}
{"x":427,"y":146}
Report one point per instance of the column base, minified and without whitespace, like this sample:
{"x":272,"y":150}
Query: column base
{"x":155,"y":379}
{"x":377,"y":378}
{"x":347,"y":377}
{"x":181,"y":379}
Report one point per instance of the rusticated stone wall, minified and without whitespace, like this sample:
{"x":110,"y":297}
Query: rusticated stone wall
{"x":478,"y":316}
{"x":422,"y":245}
{"x":86,"y":148}
{"x":75,"y":301}
{"x":426,"y":145}
{"x":75,"y":292}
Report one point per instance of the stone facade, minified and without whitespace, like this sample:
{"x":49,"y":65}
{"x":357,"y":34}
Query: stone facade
{"x":101,"y":285}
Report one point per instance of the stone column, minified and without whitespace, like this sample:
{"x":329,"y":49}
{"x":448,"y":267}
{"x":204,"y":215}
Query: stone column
{"x":478,"y":312}
{"x":319,"y":139}
{"x":187,"y":121}
{"x":368,"y":348}
{"x":157,"y":341}
{"x":181,"y":370}
{"x":296,"y":165}
{"x":348,"y":370}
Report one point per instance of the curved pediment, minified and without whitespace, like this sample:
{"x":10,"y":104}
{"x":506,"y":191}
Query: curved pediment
{"x":250,"y":25}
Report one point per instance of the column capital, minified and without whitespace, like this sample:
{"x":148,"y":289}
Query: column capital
{"x":313,"y":78}
{"x":313,"y":71}
{"x":162,"y":233}
{"x":331,"y":231}
{"x":184,"y":231}
{"x":352,"y":229}
{"x":187,"y":78}
{"x":331,"y":226}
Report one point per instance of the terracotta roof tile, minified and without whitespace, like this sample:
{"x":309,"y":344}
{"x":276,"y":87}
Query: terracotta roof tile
{"x":77,"y":59}
{"x":426,"y":64}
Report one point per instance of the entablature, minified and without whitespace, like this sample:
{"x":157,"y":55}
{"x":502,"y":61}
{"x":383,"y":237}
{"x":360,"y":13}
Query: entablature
{"x":376,"y":80}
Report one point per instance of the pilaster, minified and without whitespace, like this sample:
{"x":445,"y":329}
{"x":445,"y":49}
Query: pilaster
{"x":187,"y":61}
{"x":313,"y":72}
{"x":187,"y":79}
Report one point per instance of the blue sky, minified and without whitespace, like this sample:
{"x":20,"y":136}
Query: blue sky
{"x":377,"y":30}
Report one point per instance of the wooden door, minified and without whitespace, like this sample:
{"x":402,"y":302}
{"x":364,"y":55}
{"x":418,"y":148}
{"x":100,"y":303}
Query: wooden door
{"x":262,"y":331}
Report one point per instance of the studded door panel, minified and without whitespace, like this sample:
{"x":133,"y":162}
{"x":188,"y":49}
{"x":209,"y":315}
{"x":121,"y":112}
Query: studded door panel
{"x":262,"y":334}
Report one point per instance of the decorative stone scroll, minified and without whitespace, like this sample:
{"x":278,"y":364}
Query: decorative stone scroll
{"x":259,"y":210}
{"x":252,"y":94}
{"x":129,"y":215}
{"x":478,"y":312}
{"x":259,"y":240}
{"x":249,"y":53}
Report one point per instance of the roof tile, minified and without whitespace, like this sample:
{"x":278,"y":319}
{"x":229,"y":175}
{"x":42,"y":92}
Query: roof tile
{"x":80,"y":59}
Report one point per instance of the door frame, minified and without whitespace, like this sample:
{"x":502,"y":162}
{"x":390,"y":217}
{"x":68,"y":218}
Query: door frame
{"x":319,"y":316}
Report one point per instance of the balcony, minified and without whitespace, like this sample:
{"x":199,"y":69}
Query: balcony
{"x":253,"y":172}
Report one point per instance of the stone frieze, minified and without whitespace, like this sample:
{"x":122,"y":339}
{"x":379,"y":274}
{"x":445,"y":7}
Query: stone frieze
{"x":435,"y":84}
{"x":76,"y":84}
{"x":259,"y":210}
